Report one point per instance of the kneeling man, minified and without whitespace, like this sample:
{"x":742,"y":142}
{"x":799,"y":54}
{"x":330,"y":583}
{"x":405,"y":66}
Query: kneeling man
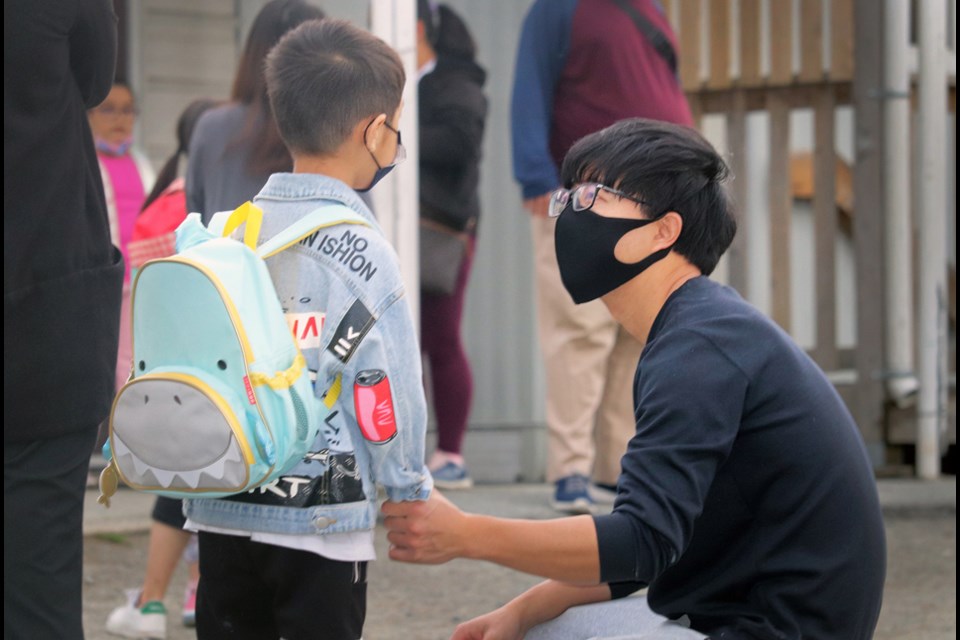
{"x":746,"y":500}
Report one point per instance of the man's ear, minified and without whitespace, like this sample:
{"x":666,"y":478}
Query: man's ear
{"x":636,"y":245}
{"x":668,"y":228}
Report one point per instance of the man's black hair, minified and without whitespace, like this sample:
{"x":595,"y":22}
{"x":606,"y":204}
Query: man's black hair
{"x":671,"y":168}
{"x":324,"y":77}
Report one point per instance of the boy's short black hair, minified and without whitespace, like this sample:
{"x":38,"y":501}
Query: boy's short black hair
{"x":324,"y":77}
{"x":671,"y":168}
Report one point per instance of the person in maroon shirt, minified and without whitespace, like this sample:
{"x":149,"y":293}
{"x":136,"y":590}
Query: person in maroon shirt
{"x":581,"y":66}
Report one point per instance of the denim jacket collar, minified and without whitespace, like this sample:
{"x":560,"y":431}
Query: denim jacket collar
{"x":312,"y":186}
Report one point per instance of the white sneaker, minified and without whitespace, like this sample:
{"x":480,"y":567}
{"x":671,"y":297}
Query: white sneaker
{"x":130,"y":621}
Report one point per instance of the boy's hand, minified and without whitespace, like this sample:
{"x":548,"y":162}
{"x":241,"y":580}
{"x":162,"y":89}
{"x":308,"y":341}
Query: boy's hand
{"x":425,"y":532}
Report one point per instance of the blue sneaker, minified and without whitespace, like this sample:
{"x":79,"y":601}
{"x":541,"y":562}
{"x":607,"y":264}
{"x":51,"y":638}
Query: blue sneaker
{"x":452,"y":476}
{"x":572,"y":495}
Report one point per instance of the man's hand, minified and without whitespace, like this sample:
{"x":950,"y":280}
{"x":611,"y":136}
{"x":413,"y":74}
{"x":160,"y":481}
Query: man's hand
{"x":501,"y":624}
{"x":538,"y":206}
{"x":425,"y":532}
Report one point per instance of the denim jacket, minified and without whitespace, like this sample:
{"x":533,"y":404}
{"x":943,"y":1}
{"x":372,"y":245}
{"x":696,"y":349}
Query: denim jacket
{"x":341,"y":291}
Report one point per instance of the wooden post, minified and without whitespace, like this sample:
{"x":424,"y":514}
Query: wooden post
{"x":737,"y":146}
{"x":720,"y":14}
{"x":749,"y":42}
{"x":690,"y":44}
{"x":781,"y":43}
{"x":781,"y":207}
{"x":811,"y":40}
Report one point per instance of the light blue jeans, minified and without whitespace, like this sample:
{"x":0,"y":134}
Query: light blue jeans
{"x":624,"y":619}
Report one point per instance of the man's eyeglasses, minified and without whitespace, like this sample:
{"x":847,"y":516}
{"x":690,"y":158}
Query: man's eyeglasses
{"x":583,"y":197}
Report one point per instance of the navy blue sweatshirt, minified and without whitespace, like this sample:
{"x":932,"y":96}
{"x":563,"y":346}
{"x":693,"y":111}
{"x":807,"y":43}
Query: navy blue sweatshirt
{"x":747,"y":501}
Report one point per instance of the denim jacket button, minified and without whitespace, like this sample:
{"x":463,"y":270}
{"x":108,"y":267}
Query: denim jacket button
{"x":322,"y":522}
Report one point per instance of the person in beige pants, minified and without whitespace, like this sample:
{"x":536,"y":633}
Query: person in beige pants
{"x":589,"y":361}
{"x":581,"y":66}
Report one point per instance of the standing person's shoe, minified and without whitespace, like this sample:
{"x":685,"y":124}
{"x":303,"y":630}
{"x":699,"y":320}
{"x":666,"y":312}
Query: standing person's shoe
{"x":131,"y":621}
{"x":572,"y":496}
{"x":452,"y":476}
{"x":190,"y":605}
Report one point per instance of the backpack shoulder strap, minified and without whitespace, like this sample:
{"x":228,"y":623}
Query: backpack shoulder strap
{"x":326,"y":216}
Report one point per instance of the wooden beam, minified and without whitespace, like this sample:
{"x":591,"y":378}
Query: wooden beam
{"x":798,"y":96}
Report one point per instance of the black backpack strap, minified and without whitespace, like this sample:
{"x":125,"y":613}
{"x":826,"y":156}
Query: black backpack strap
{"x":656,"y":37}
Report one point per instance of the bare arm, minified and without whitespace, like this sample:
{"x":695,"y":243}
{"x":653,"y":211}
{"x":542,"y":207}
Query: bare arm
{"x":436,"y":531}
{"x":538,"y":206}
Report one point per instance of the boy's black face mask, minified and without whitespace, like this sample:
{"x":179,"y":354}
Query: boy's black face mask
{"x":382,"y":172}
{"x":585,"y":244}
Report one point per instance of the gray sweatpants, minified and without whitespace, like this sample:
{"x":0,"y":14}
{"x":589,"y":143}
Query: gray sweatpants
{"x":624,"y":619}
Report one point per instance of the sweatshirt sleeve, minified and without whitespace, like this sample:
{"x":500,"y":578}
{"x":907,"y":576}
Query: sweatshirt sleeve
{"x":196,"y":162}
{"x":454,"y":134}
{"x":542,"y":53}
{"x":689,"y":400}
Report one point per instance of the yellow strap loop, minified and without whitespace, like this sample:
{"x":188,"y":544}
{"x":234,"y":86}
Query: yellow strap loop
{"x":281,"y":379}
{"x":250,"y":214}
{"x":285,"y":379}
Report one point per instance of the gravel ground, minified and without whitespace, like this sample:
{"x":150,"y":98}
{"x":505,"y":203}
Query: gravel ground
{"x":426,"y":603}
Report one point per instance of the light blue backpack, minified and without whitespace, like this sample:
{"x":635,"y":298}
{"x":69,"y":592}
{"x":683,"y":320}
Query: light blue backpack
{"x":219,"y":399}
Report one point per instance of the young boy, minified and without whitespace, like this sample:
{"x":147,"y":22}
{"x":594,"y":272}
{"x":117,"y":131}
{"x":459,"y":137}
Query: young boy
{"x":289,"y":559}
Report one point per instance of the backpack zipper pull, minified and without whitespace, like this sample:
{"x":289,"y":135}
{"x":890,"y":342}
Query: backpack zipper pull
{"x":108,"y":484}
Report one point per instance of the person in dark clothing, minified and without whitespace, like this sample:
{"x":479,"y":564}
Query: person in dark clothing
{"x":62,"y":281}
{"x":746,"y":500}
{"x":453,"y":110}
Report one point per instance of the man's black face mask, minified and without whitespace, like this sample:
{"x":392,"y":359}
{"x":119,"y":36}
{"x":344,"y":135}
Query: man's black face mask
{"x":585,"y":244}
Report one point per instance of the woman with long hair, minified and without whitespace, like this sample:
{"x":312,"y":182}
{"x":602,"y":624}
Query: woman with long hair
{"x":453,"y":111}
{"x":237,"y":146}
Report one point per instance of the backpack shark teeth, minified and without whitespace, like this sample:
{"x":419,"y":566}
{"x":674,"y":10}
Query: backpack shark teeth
{"x":149,"y":475}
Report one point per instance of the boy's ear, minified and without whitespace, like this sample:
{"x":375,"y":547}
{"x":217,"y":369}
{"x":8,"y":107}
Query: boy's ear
{"x":370,"y":134}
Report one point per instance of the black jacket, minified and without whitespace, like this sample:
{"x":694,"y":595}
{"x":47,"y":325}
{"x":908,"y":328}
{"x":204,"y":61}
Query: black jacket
{"x":453,"y":110}
{"x":62,"y":279}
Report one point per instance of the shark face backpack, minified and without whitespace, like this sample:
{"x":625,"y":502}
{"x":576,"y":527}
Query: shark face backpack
{"x":219,"y":400}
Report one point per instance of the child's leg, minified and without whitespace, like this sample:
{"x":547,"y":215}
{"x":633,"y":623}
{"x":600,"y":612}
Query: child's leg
{"x":233,"y":599}
{"x":315,"y":597}
{"x":167,"y":542}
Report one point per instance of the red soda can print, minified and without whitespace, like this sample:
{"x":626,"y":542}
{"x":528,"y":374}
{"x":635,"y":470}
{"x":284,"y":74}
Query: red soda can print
{"x":373,"y":402}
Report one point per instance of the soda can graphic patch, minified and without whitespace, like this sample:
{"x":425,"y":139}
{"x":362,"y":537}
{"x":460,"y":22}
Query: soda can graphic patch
{"x":373,"y":402}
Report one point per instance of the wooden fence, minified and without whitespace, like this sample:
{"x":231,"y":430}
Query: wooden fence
{"x":739,"y":56}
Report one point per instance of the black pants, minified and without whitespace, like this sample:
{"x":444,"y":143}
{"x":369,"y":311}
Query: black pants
{"x":43,"y":487}
{"x":257,"y":591}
